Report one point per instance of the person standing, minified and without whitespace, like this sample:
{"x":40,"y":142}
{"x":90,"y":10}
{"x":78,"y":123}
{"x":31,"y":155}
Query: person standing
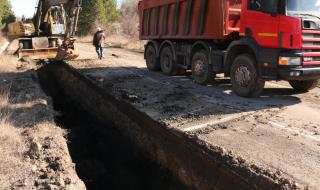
{"x":98,"y":42}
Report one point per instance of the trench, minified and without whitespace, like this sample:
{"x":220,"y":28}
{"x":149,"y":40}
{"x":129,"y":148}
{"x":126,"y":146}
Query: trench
{"x":105,"y":158}
{"x":116,"y":146}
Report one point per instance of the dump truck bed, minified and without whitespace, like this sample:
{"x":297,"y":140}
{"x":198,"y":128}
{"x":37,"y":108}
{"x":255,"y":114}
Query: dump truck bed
{"x":189,"y":19}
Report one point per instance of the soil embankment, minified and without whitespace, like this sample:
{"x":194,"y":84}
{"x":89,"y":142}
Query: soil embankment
{"x":34,"y":151}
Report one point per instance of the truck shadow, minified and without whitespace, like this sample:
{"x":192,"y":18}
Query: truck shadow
{"x":166,"y":97}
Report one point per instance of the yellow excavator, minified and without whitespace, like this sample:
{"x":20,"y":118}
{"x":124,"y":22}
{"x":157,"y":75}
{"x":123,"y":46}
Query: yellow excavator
{"x":50,"y":34}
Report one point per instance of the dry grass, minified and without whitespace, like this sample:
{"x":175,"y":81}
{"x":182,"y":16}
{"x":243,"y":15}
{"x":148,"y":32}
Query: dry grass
{"x":2,"y":38}
{"x":27,"y":116}
{"x":8,"y":63}
{"x":12,"y":145}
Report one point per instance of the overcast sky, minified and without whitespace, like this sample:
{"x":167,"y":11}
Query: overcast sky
{"x":27,"y":7}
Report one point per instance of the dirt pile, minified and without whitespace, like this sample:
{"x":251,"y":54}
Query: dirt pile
{"x":34,"y":152}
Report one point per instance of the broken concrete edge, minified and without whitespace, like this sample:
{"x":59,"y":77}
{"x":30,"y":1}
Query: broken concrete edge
{"x":196,"y":163}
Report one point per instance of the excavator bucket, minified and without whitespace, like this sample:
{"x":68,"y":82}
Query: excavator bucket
{"x":67,"y":51}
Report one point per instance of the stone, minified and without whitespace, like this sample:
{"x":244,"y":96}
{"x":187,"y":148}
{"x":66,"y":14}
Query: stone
{"x":35,"y":149}
{"x":42,"y":182}
{"x":52,"y":187}
{"x":60,"y":181}
{"x":67,"y":181}
{"x":34,"y":168}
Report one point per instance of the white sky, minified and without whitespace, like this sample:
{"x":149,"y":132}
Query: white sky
{"x":27,"y":7}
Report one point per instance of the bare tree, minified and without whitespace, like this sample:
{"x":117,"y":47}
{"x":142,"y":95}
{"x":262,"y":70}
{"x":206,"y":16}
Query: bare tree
{"x":129,"y":17}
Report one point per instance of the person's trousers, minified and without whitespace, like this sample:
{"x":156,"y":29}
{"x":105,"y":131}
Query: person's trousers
{"x":99,"y":50}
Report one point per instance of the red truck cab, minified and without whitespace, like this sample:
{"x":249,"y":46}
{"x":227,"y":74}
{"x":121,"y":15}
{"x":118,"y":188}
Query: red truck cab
{"x":250,"y":41}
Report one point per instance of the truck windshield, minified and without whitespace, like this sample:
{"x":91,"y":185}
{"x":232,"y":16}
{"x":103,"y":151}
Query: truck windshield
{"x":304,"y":8}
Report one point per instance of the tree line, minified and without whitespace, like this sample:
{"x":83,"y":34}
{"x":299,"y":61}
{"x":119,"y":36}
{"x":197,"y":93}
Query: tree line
{"x":94,"y":13}
{"x":97,"y":13}
{"x":6,"y":14}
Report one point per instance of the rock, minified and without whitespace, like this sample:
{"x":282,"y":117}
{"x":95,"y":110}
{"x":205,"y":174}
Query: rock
{"x":42,"y":182}
{"x":20,"y":183}
{"x":130,"y":97}
{"x":67,"y":181}
{"x":60,"y":181}
{"x":114,"y":55}
{"x":34,"y":168}
{"x":55,"y":164}
{"x":52,"y":187}
{"x":35,"y":149}
{"x":101,"y":79}
{"x":47,"y":144}
{"x":28,"y":96}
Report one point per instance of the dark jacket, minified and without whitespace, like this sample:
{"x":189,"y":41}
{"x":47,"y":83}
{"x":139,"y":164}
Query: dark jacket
{"x":98,"y":38}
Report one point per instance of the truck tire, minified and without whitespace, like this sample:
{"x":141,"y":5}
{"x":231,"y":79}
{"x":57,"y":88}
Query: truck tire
{"x":168,"y":65}
{"x":201,"y":69}
{"x":245,"y":78}
{"x":304,"y":86}
{"x":151,"y":59}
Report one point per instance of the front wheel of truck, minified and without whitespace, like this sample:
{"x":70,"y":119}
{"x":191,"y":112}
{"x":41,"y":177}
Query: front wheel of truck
{"x":304,"y":86}
{"x":245,"y":78}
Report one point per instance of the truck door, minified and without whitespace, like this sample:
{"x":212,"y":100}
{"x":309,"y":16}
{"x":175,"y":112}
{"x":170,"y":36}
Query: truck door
{"x":260,"y":21}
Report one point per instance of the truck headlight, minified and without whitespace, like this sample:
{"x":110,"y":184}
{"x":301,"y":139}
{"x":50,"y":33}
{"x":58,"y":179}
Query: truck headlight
{"x":289,"y":61}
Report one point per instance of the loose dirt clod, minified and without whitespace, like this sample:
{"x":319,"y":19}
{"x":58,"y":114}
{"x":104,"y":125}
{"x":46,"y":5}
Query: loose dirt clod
{"x":35,"y":149}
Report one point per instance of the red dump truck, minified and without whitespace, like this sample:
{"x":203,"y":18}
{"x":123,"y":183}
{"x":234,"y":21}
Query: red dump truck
{"x":250,"y":41}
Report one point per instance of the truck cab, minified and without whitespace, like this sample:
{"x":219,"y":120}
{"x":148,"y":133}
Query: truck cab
{"x":286,"y":37}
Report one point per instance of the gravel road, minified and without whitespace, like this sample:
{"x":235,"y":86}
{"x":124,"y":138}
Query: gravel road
{"x":276,"y":135}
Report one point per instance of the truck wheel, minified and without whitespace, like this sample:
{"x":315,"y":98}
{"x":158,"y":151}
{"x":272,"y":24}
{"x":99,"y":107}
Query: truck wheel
{"x":168,"y":65}
{"x":151,"y":59}
{"x":245,"y":78}
{"x":201,"y":69}
{"x":304,"y":86}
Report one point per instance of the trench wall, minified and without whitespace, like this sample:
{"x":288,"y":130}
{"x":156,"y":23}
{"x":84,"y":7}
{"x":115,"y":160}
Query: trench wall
{"x":190,"y":161}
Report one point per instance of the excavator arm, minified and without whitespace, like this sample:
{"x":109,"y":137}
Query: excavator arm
{"x":67,"y":49}
{"x":70,"y":9}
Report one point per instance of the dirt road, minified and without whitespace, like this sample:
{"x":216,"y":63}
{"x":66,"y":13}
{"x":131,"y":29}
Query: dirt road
{"x":276,"y":135}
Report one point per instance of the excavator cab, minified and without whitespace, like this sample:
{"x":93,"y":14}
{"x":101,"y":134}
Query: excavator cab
{"x":54,"y":22}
